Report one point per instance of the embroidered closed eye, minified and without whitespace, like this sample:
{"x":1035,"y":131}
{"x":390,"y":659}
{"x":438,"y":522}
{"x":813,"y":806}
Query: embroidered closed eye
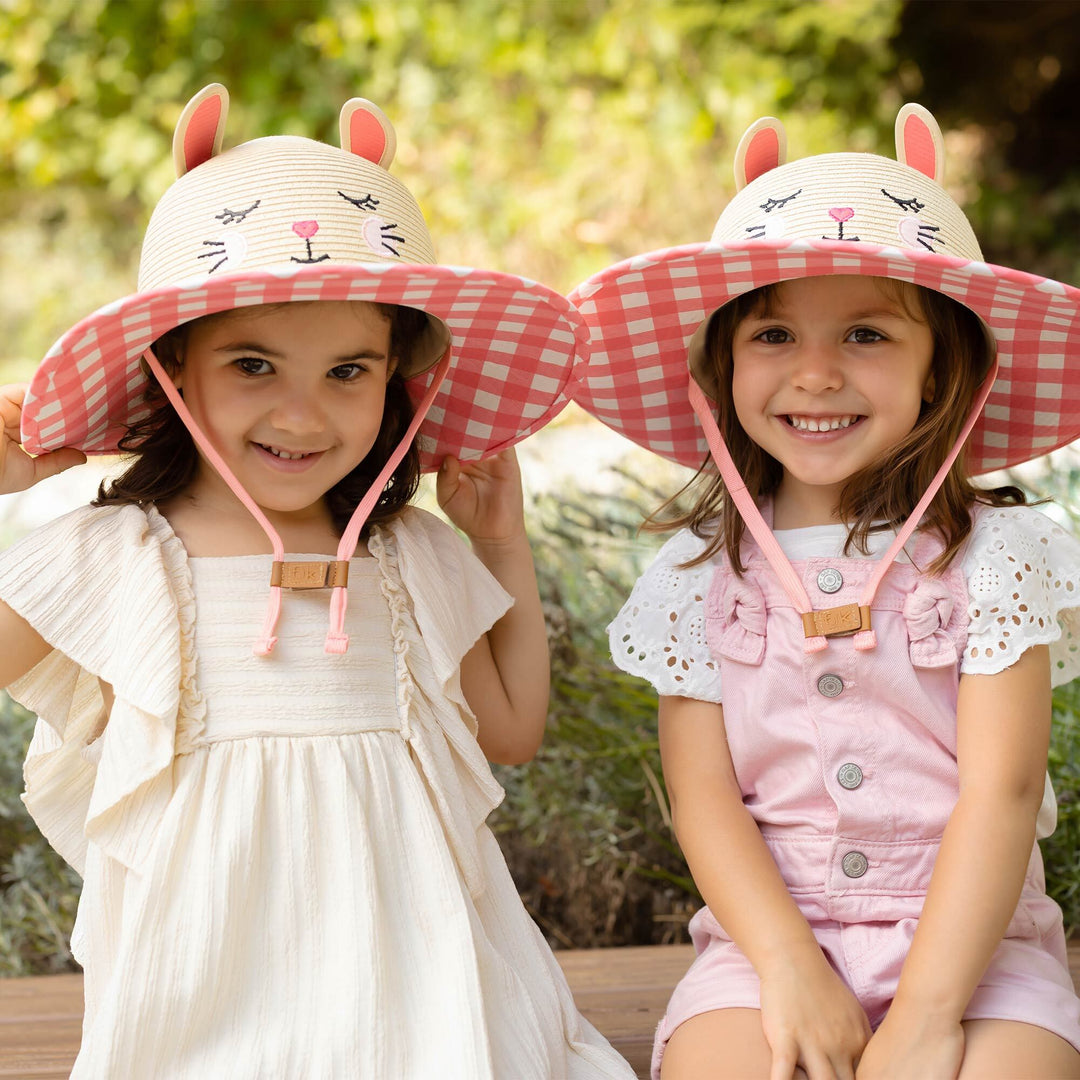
{"x":365,"y":202}
{"x":912,"y":205}
{"x":231,"y":217}
{"x":770,"y":204}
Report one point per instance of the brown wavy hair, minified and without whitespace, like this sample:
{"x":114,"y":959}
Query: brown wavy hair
{"x":164,"y":458}
{"x":882,"y":495}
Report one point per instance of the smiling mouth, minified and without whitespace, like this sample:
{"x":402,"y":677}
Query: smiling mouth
{"x":287,"y":455}
{"x":816,"y":424}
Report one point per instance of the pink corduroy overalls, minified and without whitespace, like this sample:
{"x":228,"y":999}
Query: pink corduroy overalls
{"x":847,"y":761}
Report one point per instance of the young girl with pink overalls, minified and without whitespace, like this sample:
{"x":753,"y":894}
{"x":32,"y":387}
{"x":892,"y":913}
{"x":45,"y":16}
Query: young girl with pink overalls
{"x":270,"y":767}
{"x":853,"y":645}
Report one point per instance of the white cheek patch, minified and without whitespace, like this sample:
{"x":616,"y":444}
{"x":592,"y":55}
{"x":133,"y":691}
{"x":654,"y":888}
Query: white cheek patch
{"x":228,"y":251}
{"x":775,"y":227}
{"x":917,"y":233}
{"x":772,"y":227}
{"x":381,"y":236}
{"x":908,"y":228}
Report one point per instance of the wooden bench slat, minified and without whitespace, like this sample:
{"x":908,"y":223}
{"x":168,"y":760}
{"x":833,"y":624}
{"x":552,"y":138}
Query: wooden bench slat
{"x":623,"y":992}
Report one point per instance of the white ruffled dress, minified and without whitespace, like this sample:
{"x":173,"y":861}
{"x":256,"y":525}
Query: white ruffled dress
{"x":287,"y":867}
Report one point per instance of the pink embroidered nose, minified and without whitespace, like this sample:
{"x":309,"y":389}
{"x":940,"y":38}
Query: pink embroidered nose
{"x":305,"y":229}
{"x":837,"y":213}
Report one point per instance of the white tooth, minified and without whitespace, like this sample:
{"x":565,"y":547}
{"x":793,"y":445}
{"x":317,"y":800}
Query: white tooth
{"x":814,"y":425}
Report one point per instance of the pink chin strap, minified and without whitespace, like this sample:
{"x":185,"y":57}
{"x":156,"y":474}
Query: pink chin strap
{"x":337,"y":641}
{"x":820,"y":625}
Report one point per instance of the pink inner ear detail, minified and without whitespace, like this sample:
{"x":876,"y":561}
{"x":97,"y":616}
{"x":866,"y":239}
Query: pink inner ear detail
{"x":762,"y":154}
{"x":201,"y":133}
{"x":366,"y":136}
{"x":919,"y":151}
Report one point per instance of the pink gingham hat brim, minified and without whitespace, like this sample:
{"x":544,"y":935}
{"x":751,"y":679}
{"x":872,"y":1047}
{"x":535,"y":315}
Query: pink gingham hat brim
{"x":643,"y":312}
{"x":515,"y":346}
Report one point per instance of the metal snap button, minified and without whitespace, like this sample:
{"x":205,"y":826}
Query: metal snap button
{"x":830,"y":580}
{"x":854,"y":864}
{"x":830,"y":686}
{"x":850,"y":776}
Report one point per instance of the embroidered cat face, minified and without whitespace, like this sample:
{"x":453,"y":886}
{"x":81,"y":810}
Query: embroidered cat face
{"x":281,"y":201}
{"x":853,"y":198}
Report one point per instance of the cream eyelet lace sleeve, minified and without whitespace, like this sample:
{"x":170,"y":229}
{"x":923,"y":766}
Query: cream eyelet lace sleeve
{"x":1023,"y":575}
{"x":660,"y":632}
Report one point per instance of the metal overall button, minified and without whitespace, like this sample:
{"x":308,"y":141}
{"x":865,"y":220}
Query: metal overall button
{"x":830,"y":686}
{"x":850,"y":776}
{"x":830,"y":580}
{"x":854,"y":864}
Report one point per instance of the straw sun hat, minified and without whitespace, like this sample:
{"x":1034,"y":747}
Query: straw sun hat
{"x":286,"y":218}
{"x":829,"y":214}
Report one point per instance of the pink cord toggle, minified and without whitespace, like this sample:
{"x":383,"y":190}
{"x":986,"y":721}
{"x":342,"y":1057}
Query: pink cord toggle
{"x":337,"y":641}
{"x":865,"y":640}
{"x":815,"y":644}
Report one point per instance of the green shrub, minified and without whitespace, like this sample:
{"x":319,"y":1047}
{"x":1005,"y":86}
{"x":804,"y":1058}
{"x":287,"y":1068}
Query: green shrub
{"x":1061,"y":852}
{"x":38,"y":890}
{"x":585,"y":826}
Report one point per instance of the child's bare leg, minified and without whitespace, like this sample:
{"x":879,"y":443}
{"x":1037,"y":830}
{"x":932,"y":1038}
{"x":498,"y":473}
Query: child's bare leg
{"x":726,"y":1044}
{"x":1008,"y":1050}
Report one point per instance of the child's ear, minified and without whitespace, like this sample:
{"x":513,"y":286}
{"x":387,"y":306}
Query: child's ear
{"x":929,"y":389}
{"x":201,"y":128}
{"x":366,"y":132}
{"x":919,"y":142}
{"x":763,"y":147}
{"x":391,"y":367}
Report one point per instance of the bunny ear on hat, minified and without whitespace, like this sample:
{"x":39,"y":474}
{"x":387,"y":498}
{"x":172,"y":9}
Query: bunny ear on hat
{"x":282,"y":219}
{"x":833,"y":214}
{"x":201,"y":128}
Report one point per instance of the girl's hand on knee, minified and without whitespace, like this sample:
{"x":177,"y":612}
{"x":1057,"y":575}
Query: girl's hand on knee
{"x":811,"y":1019}
{"x":913,"y":1047}
{"x":18,"y":470}
{"x":483,"y":498}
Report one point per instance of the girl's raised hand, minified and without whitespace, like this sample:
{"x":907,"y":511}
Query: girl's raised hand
{"x":483,"y":498}
{"x":811,"y":1019}
{"x":18,"y":470}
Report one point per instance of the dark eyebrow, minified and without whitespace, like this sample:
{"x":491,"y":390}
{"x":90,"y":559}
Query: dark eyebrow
{"x":273,"y":354}
{"x":879,"y":313}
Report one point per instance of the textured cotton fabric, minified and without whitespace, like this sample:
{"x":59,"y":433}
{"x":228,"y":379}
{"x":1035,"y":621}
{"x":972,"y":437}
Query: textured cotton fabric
{"x":1022,"y":572}
{"x":846,"y":759}
{"x":287,"y":870}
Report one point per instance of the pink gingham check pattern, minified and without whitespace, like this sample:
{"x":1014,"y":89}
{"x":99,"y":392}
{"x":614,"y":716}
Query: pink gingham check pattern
{"x":515,"y":347}
{"x":642,"y":313}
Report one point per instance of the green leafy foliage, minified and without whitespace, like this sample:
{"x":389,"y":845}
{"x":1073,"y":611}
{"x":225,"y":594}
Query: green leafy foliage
{"x":541,"y":138}
{"x":38,"y":890}
{"x":586,"y":826}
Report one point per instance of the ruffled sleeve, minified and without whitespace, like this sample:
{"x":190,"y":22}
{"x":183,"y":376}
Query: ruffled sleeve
{"x":1023,"y":575}
{"x":454,"y":596}
{"x":660,"y":633}
{"x":441,"y":599}
{"x":108,"y":588}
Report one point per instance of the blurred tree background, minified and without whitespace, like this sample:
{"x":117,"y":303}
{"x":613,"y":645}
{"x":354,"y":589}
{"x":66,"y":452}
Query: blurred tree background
{"x":548,"y":138}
